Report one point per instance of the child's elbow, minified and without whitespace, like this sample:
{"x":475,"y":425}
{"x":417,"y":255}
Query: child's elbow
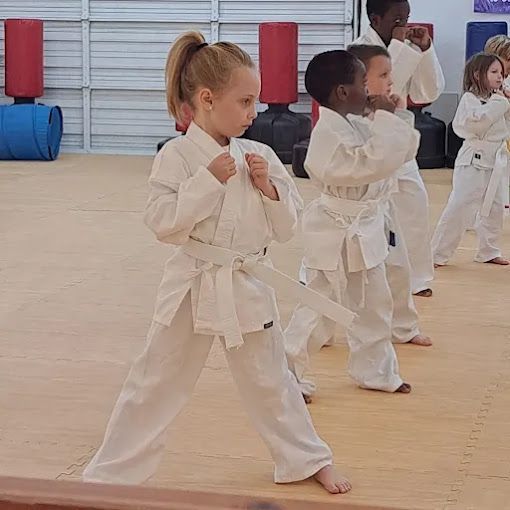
{"x":168,"y":235}
{"x":156,"y":223}
{"x":285,"y":230}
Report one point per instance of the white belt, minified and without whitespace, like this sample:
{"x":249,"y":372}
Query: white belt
{"x":351,"y":208}
{"x":483,"y":145}
{"x":498,"y":172}
{"x":354,"y":210}
{"x":230,"y":261}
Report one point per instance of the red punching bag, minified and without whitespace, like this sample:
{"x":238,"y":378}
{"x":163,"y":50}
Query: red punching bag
{"x":278,"y":126}
{"x":278,"y":47}
{"x":24,"y":76}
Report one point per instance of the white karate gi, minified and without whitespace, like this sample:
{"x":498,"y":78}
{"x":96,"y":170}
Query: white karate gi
{"x":206,"y":291}
{"x":398,"y":267}
{"x":416,"y":74}
{"x":404,"y":322}
{"x":479,"y":178}
{"x":345,"y":235}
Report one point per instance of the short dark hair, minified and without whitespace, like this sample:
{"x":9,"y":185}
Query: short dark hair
{"x":328,"y":70}
{"x":381,"y":7}
{"x":366,"y":52}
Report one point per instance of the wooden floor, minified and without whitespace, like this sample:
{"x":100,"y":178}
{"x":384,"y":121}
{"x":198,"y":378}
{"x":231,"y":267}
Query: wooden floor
{"x":78,"y":276}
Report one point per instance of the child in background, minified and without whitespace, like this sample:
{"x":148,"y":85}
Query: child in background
{"x":416,"y":74}
{"x":353,"y":161}
{"x":480,"y":174}
{"x":378,"y":63}
{"x":499,"y":45}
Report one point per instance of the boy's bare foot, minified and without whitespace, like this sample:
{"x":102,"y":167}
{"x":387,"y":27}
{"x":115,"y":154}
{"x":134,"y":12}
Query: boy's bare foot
{"x":307,"y":398}
{"x":422,"y":340}
{"x":424,"y":293}
{"x":403,"y":388}
{"x":499,"y":261}
{"x":331,"y":481}
{"x":437,"y":266}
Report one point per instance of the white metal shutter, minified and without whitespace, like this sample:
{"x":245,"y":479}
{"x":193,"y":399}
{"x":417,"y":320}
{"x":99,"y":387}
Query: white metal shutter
{"x":104,"y":59}
{"x":129,"y":42}
{"x":42,"y":9}
{"x":128,"y":106}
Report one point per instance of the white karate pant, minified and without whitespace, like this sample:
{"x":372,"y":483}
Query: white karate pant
{"x":161,"y":382}
{"x":469,"y":187}
{"x":405,"y":324}
{"x":412,"y":207}
{"x":372,"y":361}
{"x":321,"y":330}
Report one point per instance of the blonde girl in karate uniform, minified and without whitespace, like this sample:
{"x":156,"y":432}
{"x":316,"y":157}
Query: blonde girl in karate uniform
{"x":480,"y":174}
{"x":499,"y":45}
{"x":218,"y":202}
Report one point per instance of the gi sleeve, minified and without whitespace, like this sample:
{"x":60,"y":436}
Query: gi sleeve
{"x":178,"y":197}
{"x":473,"y":119}
{"x":283,"y":213}
{"x":391,"y":144}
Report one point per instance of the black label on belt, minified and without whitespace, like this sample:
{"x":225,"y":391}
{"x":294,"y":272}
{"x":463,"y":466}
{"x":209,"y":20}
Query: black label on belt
{"x":393,"y":239}
{"x":268,"y":325}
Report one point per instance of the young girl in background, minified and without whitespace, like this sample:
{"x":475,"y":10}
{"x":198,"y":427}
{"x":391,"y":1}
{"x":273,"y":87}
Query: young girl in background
{"x":483,"y":120}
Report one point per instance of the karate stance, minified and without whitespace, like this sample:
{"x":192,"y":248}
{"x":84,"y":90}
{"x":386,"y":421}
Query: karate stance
{"x":353,"y":160}
{"x":218,"y":201}
{"x":405,"y":328}
{"x":480,"y":174}
{"x":416,"y":74}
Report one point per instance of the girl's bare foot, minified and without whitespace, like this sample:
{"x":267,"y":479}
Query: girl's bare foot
{"x":424,"y":293}
{"x":307,"y":398}
{"x":403,"y":388}
{"x":422,"y":340}
{"x":499,"y":261}
{"x":331,"y":481}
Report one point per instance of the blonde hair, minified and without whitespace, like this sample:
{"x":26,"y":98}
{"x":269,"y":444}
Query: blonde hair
{"x":499,"y":45}
{"x":475,"y":74}
{"x":192,"y":63}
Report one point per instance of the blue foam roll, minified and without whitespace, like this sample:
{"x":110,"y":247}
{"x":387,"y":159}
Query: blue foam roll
{"x":30,"y":132}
